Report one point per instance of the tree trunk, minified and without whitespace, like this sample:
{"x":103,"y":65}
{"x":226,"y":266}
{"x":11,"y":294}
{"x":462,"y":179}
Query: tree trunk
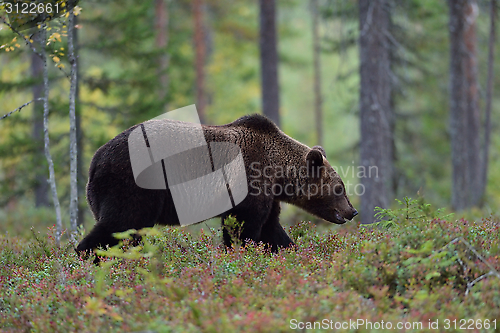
{"x":41,"y":184}
{"x":161,"y":25}
{"x":458,"y":126}
{"x":82,"y":177}
{"x":318,"y":100}
{"x":489,"y":96}
{"x":269,"y":60}
{"x":73,"y":151}
{"x":52,"y":178}
{"x":464,"y":111}
{"x":472,"y":101}
{"x":375,"y":107}
{"x":200,"y":50}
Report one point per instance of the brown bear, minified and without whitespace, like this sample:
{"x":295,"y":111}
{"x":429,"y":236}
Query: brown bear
{"x":278,"y":168}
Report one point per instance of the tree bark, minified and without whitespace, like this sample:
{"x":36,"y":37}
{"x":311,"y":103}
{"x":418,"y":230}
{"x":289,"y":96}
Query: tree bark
{"x":375,"y":107}
{"x":73,"y":150}
{"x":472,"y":102}
{"x":41,"y":184}
{"x":318,"y":99}
{"x":52,"y":178}
{"x":269,"y":60}
{"x":82,"y":177}
{"x":489,"y":97}
{"x":161,"y":25}
{"x":457,"y":106}
{"x":200,"y":50}
{"x":464,"y":111}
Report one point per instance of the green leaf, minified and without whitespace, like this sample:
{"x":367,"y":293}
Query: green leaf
{"x":425,"y":248}
{"x":411,"y":261}
{"x":125,"y":234}
{"x":149,"y":232}
{"x":431,"y":275}
{"x":422,"y":295}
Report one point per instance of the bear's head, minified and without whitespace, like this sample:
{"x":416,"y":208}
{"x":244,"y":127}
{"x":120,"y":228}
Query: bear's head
{"x":325,"y":193}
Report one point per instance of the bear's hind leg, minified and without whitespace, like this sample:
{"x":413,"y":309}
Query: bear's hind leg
{"x":119,"y":211}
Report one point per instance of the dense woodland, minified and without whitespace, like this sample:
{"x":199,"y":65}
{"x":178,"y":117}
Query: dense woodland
{"x":407,"y":86}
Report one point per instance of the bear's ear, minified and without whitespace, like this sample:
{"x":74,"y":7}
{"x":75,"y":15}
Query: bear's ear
{"x":314,"y":160}
{"x":320,"y":149}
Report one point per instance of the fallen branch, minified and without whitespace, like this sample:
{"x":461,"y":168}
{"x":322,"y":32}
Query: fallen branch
{"x":492,"y":269}
{"x":471,"y":284}
{"x":492,"y":272}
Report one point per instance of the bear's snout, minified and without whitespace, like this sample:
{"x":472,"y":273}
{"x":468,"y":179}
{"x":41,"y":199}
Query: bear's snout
{"x":342,"y":216}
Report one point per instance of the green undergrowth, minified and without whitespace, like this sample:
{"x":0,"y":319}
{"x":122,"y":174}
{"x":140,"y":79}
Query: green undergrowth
{"x":412,"y":267}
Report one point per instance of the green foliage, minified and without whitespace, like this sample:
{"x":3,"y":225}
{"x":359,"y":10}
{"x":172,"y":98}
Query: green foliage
{"x":234,"y":228}
{"x":176,"y":282}
{"x":419,"y":266}
{"x":416,"y":262}
{"x":120,"y":79}
{"x":21,"y":221}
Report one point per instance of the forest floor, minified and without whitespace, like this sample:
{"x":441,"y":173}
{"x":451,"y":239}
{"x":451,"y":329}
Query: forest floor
{"x":410,"y":274}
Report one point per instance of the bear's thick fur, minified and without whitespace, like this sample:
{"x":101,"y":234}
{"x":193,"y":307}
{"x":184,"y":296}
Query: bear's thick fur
{"x":278,"y":168}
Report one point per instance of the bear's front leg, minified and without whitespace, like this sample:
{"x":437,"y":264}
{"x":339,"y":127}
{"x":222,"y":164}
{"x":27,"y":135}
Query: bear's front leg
{"x":272,"y":232}
{"x":251,"y":229}
{"x":253,"y":212}
{"x":260,"y":225}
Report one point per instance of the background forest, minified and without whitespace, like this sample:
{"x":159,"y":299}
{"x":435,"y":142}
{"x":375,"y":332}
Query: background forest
{"x":139,"y":59}
{"x":407,"y":86}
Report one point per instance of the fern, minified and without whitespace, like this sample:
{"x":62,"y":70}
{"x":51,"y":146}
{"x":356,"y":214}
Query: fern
{"x":410,"y":210}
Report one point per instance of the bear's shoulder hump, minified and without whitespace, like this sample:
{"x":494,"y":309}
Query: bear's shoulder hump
{"x":257,"y":123}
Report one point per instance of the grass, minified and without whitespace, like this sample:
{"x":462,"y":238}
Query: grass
{"x":412,"y":270}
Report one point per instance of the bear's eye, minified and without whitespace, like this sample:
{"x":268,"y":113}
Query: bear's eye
{"x":338,"y":189}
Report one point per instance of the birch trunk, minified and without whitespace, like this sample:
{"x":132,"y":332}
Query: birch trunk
{"x":41,"y":186}
{"x":52,"y":179}
{"x":73,"y":152}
